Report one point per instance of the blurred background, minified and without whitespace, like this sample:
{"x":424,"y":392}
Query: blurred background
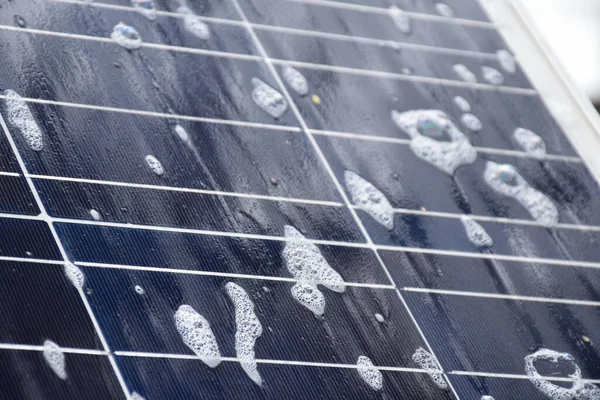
{"x":572,"y":28}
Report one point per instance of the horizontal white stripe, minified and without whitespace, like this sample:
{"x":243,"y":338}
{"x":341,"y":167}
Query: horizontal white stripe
{"x":498,"y":296}
{"x":70,"y":350}
{"x":218,"y":274}
{"x":516,"y":376}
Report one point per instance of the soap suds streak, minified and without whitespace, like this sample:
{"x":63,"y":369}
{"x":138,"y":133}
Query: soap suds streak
{"x":471,"y":121}
{"x":146,"y":8}
{"x":507,"y":61}
{"x":192,"y":23}
{"x":580,"y":390}
{"x":475,"y":232}
{"x":431,"y":366}
{"x":308,"y":266}
{"x":295,"y":80}
{"x":435,"y":139}
{"x":55,"y":358}
{"x":371,"y":375}
{"x":504,"y":179}
{"x":370,"y":199}
{"x":75,"y":275}
{"x":444,"y":10}
{"x":492,"y":75}
{"x":400,"y":18}
{"x":136,"y":396}
{"x":462,"y":104}
{"x":530,"y":142}
{"x":269,"y":99}
{"x":154,"y":165}
{"x":196,"y":333}
{"x":21,"y":117}
{"x":126,"y":36}
{"x":248,"y":329}
{"x":464,"y":73}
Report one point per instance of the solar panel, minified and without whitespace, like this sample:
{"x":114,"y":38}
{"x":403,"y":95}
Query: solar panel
{"x":292,"y":199}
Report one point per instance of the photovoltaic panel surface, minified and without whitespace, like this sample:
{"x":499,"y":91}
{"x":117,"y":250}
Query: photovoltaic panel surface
{"x":322,"y":156}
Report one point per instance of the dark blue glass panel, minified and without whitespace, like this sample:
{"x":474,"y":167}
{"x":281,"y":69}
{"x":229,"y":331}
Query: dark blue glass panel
{"x":15,"y":196}
{"x":27,"y":238}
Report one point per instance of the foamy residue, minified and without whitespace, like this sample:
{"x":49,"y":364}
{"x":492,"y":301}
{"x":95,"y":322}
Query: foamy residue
{"x":248,"y":330}
{"x":269,"y":99}
{"x":371,"y":375}
{"x":507,"y":61}
{"x":444,"y":10}
{"x":530,"y":142}
{"x":55,"y":358}
{"x":192,"y":23}
{"x":146,"y":8}
{"x":308,"y":266}
{"x":471,"y":121}
{"x":492,"y":75}
{"x":475,"y":232}
{"x":436,"y":139}
{"x":154,"y":165}
{"x":580,"y":390}
{"x":136,"y":396}
{"x":196,"y":333}
{"x":506,"y":180}
{"x":95,"y":215}
{"x":370,"y":199}
{"x":428,"y":363}
{"x":20,"y":116}
{"x":126,"y":36}
{"x":487,"y":398}
{"x":464,"y":73}
{"x":400,"y":18}
{"x":379,"y":318}
{"x":295,"y":80}
{"x":139,"y":290}
{"x":75,"y":275}
{"x":462,"y":104}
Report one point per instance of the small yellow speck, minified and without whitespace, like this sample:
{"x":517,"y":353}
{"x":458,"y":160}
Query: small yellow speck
{"x":586,"y":339}
{"x":316,"y":99}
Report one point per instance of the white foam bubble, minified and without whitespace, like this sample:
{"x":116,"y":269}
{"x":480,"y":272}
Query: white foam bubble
{"x":471,"y":121}
{"x":136,"y":396}
{"x":269,"y":99}
{"x":145,"y":7}
{"x":194,"y":25}
{"x":475,"y":232}
{"x":400,"y":18}
{"x":444,"y":10}
{"x":579,"y":390}
{"x":370,"y":199}
{"x":248,"y":329}
{"x":462,"y":104}
{"x":95,"y":215}
{"x":504,"y":179}
{"x":464,"y":73}
{"x":75,"y":275}
{"x":55,"y":358}
{"x":295,"y":80}
{"x":139,"y":290}
{"x":126,"y":36}
{"x":379,"y":318}
{"x":530,"y":142}
{"x":196,"y":333}
{"x":154,"y":165}
{"x":309,"y":296}
{"x":371,"y":375}
{"x":428,"y":129}
{"x":507,"y":61}
{"x":492,"y":75}
{"x":182,"y":133}
{"x":21,"y":117}
{"x":487,"y":398}
{"x":430,"y":365}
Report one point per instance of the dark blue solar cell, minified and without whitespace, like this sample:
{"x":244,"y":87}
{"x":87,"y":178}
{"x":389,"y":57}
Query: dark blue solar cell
{"x":27,"y":238}
{"x":15,"y":196}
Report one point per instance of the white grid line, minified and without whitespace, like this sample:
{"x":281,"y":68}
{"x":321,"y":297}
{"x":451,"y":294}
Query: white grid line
{"x":140,"y":354}
{"x":2,"y":173}
{"x":499,"y":296}
{"x":299,"y":64}
{"x":44,"y":216}
{"x":219,"y":274}
{"x":325,"y":203}
{"x":331,"y":173}
{"x":385,"y":11}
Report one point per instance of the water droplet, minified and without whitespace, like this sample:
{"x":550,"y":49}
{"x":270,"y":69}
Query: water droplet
{"x":400,"y":18}
{"x":154,"y":165}
{"x":464,"y":73}
{"x":295,"y":80}
{"x":507,"y":61}
{"x":20,"y":21}
{"x":139,"y":290}
{"x":471,"y":121}
{"x":95,"y":215}
{"x":379,"y":318}
{"x":371,"y":375}
{"x":20,"y":116}
{"x":444,"y":10}
{"x":316,"y":99}
{"x":274,"y":181}
{"x":126,"y":36}
{"x":145,"y":7}
{"x":492,"y":75}
{"x":28,"y":253}
{"x":462,"y":104}
{"x":182,"y":133}
{"x":269,"y":99}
